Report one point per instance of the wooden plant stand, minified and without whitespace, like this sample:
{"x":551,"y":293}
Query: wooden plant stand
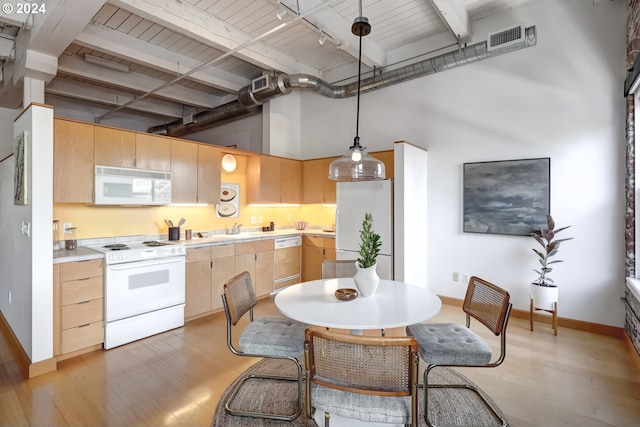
{"x":554,"y":315}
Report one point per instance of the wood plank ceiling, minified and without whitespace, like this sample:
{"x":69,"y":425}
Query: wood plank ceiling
{"x":126,"y":48}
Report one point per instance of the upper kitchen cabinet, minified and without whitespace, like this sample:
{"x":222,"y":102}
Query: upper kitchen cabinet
{"x":209,"y":161}
{"x":195,"y":172}
{"x":184,"y":172}
{"x":73,"y":167}
{"x":385,"y":157}
{"x":317,"y":187}
{"x":153,"y":152}
{"x":115,"y":147}
{"x":273,"y":180}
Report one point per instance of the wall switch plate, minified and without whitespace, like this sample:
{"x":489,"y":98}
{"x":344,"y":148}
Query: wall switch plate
{"x":454,"y":277}
{"x":66,"y":225}
{"x":254,"y":220}
{"x":260,"y":219}
{"x":9,"y":297}
{"x":465,"y":277}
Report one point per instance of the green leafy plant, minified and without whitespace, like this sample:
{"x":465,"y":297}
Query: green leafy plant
{"x":369,"y":243}
{"x":545,"y":237}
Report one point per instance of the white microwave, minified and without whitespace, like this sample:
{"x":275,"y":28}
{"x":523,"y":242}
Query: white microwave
{"x":136,"y":187}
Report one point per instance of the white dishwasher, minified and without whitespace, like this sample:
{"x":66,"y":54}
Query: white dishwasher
{"x":287,"y":261}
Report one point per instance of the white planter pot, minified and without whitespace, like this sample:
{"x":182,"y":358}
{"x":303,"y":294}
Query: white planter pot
{"x":543,"y":296}
{"x":367,"y":280}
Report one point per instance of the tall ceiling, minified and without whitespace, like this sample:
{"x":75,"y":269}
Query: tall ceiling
{"x":168,"y":59}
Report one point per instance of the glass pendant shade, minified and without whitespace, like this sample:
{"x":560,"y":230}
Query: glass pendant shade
{"x":356,"y":165}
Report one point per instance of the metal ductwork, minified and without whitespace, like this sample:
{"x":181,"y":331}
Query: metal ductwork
{"x":250,"y":98}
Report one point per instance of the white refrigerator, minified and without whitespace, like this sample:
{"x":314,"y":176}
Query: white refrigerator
{"x":354,"y":199}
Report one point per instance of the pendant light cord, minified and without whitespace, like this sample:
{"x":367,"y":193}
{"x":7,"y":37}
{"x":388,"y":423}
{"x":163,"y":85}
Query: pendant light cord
{"x":356,"y":140}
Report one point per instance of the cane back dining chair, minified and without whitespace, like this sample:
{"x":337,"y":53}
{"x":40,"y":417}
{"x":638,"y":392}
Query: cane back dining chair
{"x":268,"y":337}
{"x":452,"y":344}
{"x":332,"y":268}
{"x":372,"y":379}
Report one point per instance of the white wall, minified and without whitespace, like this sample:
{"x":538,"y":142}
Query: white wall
{"x":27,"y":261}
{"x":245,"y":133}
{"x":7,"y":116}
{"x":560,"y":99}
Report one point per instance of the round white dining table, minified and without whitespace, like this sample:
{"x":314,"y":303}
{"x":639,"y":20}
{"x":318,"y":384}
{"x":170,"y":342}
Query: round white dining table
{"x":394,"y":304}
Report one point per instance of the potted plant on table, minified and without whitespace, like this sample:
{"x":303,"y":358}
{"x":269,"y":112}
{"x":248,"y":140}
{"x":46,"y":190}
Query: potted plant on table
{"x":543,"y":290}
{"x":367,"y":278}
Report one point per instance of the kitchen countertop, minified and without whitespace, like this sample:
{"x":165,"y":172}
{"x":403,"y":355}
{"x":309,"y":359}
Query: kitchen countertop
{"x":83,"y":253}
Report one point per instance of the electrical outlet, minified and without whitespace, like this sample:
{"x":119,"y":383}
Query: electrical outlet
{"x":288,"y":217}
{"x":260,"y":220}
{"x":65,"y":226}
{"x":465,"y":277}
{"x":454,"y":277}
{"x":254,"y":220}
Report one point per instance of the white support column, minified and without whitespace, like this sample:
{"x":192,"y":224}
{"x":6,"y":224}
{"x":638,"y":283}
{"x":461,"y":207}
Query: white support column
{"x":33,"y":91}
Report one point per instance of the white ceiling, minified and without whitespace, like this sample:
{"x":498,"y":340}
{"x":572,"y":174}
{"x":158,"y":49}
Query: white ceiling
{"x":179,"y":57}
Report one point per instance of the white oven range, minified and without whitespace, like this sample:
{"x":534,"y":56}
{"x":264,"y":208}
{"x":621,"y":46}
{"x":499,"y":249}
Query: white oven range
{"x":144,"y":290}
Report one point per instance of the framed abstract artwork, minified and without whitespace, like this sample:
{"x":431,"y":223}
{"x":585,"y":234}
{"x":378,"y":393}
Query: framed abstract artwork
{"x":506,"y":196}
{"x":20,"y":175}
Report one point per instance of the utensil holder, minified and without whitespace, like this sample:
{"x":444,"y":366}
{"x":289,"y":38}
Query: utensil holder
{"x":174,"y":233}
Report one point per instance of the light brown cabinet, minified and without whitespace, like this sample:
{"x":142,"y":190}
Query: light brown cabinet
{"x":316,"y":185}
{"x":273,"y":180}
{"x":153,"y":152}
{"x":315,"y":250}
{"x":195,"y":172}
{"x":209,"y":161}
{"x":197,"y":281}
{"x":115,"y":147}
{"x":78,"y":306}
{"x":257,"y":258}
{"x":385,"y":157}
{"x":73,"y":165}
{"x":223,"y":269}
{"x":208,"y":268}
{"x":184,"y":172}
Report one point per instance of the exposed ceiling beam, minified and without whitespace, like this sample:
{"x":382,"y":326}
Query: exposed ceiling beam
{"x":111,"y":97}
{"x":188,"y":20}
{"x":135,"y":50}
{"x":339,"y":29}
{"x":138,"y":82}
{"x":455,"y":16}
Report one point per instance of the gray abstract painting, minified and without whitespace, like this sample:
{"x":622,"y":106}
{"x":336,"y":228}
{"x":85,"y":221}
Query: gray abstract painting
{"x":506,"y":197}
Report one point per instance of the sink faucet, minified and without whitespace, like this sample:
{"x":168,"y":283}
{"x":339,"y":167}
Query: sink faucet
{"x":236,"y":228}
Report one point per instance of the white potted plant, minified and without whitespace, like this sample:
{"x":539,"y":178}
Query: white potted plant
{"x":543,"y":290}
{"x":367,"y":278}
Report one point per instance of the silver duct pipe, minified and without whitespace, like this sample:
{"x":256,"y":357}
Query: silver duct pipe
{"x":249,"y":101}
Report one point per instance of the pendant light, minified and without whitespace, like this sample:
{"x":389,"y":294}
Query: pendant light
{"x":357,"y":164}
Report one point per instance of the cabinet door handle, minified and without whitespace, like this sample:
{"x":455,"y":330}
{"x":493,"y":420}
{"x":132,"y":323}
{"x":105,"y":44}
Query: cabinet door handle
{"x":85,"y":302}
{"x":82,"y":326}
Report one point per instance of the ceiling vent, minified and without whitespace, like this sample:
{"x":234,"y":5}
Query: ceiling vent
{"x":260,"y":83}
{"x":506,"y":38}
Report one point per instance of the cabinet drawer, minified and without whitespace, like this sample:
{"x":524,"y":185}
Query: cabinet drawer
{"x":82,"y":313}
{"x":313,"y":241}
{"x":82,"y":269}
{"x":222,"y":251}
{"x":254,"y":246}
{"x":199,"y":254}
{"x":83,"y":336}
{"x":75,"y":291}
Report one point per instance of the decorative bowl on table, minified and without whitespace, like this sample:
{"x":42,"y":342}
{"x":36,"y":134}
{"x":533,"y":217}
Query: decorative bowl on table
{"x":346,"y":294}
{"x":301,"y":225}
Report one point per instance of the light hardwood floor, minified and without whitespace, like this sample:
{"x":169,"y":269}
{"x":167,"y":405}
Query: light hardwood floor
{"x":176,"y":378}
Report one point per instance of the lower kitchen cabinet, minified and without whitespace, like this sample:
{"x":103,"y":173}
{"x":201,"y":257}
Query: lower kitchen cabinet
{"x":256,"y":257}
{"x":197,"y":281}
{"x":315,"y":250}
{"x":223,"y":269}
{"x":207,"y":269}
{"x":78,"y":306}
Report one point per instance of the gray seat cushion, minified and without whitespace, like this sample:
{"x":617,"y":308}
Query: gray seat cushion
{"x":273,"y":336}
{"x":367,"y":408}
{"x":449,"y":344}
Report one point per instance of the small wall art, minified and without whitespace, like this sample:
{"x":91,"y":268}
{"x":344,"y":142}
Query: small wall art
{"x":20,"y":175}
{"x":229,"y":206}
{"x":507,"y":196}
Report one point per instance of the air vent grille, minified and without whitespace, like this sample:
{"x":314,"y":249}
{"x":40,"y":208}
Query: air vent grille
{"x":505,"y":38}
{"x":260,"y":83}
